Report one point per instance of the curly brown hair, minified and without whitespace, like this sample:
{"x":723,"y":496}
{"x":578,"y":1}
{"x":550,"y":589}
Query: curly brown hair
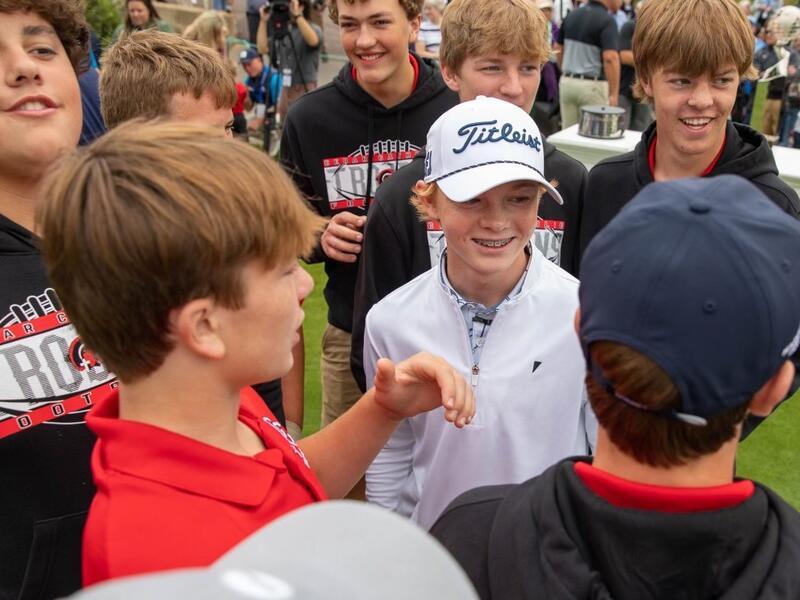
{"x":412,"y":8}
{"x":66,"y":17}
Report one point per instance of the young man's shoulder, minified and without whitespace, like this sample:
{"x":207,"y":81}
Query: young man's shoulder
{"x":562,"y":166}
{"x":404,"y":303}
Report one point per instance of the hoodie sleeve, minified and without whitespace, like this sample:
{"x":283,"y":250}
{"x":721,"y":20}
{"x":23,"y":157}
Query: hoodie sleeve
{"x":293,"y":163}
{"x":382,"y":269}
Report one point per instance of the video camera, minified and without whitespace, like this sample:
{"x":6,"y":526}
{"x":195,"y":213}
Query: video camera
{"x":279,"y":18}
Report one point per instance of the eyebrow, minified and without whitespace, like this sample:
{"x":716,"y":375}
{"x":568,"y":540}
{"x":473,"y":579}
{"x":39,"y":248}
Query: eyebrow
{"x":380,"y":15}
{"x":32,"y":30}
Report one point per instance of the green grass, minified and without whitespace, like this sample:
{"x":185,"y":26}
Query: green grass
{"x":771,"y":455}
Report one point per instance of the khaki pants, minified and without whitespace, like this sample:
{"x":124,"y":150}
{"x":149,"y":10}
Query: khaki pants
{"x":339,"y":388}
{"x":772,"y":117}
{"x":574,"y":93}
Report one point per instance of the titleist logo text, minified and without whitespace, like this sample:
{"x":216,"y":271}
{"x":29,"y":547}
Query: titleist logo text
{"x":486,"y":132}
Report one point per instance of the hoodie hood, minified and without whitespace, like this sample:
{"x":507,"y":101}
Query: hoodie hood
{"x":746,"y":153}
{"x":428,"y":85}
{"x":581,"y":546}
{"x":15,"y":239}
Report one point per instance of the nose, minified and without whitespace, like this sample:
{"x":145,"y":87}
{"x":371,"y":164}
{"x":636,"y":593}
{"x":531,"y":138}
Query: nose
{"x":304,"y":284}
{"x":512,"y":86}
{"x":493,"y":217}
{"x":365,"y":39}
{"x":701,"y":95}
{"x":21,"y":68}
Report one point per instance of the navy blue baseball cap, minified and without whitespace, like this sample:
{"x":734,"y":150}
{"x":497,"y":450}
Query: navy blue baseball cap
{"x":247,"y":55}
{"x":702,"y":276}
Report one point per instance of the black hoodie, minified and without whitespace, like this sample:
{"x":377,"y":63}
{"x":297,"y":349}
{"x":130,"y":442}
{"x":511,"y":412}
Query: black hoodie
{"x":396,"y":242}
{"x":47,"y":483}
{"x":339,"y":144}
{"x":552,"y":538}
{"x":614,"y":181}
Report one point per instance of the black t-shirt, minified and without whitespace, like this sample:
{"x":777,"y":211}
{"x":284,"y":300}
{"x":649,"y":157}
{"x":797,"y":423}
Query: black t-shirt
{"x":585,"y":34}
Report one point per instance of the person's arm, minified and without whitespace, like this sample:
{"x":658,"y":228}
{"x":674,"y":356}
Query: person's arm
{"x":310,"y":36}
{"x":390,"y":470}
{"x":262,"y":37}
{"x":609,"y":42}
{"x":292,"y":389}
{"x":340,"y":453}
{"x":611,"y":69}
{"x":626,"y":43}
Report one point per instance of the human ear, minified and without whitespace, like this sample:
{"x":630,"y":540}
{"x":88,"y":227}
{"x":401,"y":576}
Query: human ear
{"x":451,"y":79}
{"x":413,"y":29}
{"x":427,"y":202}
{"x":196,"y":327}
{"x":773,"y":391}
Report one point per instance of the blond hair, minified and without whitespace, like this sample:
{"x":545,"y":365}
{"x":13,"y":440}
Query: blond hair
{"x":412,"y":8}
{"x":144,"y":70}
{"x":154,"y":215}
{"x":691,"y":37}
{"x":209,"y":29}
{"x":484,"y":27}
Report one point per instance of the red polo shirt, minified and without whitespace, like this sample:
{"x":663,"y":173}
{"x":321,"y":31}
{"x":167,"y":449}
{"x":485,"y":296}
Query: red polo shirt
{"x":166,"y":501}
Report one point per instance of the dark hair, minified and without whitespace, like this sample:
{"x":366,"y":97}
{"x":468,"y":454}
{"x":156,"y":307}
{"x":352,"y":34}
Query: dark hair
{"x":150,"y":9}
{"x":650,"y":438}
{"x":66,"y":17}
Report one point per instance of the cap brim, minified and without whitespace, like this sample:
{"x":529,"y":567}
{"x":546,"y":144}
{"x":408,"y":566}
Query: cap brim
{"x":471,"y":183}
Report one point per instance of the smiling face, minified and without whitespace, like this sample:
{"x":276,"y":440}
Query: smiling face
{"x":502,"y":76}
{"x":486,"y":238}
{"x":692,"y":112}
{"x":40,"y":104}
{"x":375,"y":35}
{"x":266,"y":325}
{"x":138,"y":13}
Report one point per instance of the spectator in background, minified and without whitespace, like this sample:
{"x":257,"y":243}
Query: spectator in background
{"x":209,"y":29}
{"x":791,"y":97}
{"x":295,"y":53}
{"x":263,"y":86}
{"x":588,"y":54}
{"x":430,"y":33}
{"x":638,"y":115}
{"x":546,"y":6}
{"x":764,"y":59}
{"x":139,"y":15}
{"x":93,"y":124}
{"x":253,"y":19}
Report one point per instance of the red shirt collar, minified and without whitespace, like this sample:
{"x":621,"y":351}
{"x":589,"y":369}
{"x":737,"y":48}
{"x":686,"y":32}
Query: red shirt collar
{"x":624,"y":493}
{"x":651,"y":157}
{"x":414,"y":64}
{"x":155,"y":454}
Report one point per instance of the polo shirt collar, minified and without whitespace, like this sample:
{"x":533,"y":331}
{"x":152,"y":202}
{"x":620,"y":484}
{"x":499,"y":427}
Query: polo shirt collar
{"x":155,"y":454}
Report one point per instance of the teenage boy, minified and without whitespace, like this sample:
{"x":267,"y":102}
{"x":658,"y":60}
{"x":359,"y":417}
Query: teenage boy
{"x":587,"y":50}
{"x":202,"y":279}
{"x":494,"y":307}
{"x":189,"y":82}
{"x":689,"y":58}
{"x":341,"y":141}
{"x":491,"y":48}
{"x":48,"y":378}
{"x":673,"y":367}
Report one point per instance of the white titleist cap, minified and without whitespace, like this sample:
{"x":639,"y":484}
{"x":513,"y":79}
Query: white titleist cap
{"x":478,"y":145}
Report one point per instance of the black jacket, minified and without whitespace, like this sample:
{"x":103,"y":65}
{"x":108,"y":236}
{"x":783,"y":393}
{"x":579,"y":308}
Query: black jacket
{"x":395,"y":248}
{"x":339,"y":144}
{"x":47,"y":483}
{"x":552,"y":538}
{"x":614,"y":181}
